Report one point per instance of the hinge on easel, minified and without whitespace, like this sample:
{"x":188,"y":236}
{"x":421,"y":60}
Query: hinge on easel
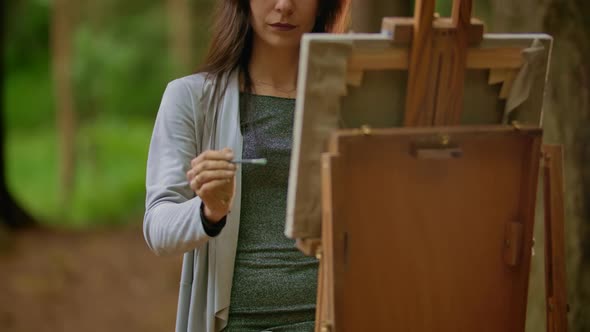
{"x":513,"y":243}
{"x":545,"y":159}
{"x":319,"y":253}
{"x":326,"y":326}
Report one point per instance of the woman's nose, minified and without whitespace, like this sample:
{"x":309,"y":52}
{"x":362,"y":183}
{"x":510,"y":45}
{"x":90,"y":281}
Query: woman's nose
{"x":285,"y":7}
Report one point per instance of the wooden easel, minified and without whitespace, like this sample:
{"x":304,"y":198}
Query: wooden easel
{"x":436,"y":63}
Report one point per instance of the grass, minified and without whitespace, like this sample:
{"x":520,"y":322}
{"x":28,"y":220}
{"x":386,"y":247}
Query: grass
{"x":109,"y":182}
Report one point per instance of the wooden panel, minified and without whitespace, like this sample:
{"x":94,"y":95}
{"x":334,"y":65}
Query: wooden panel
{"x":461,"y":14}
{"x":418,"y":244}
{"x":451,"y":50}
{"x":422,"y":70}
{"x":477,"y":58}
{"x":401,"y":29}
{"x":367,"y":59}
{"x":326,"y":102}
{"x":437,"y":66}
{"x":487,"y":58}
{"x":555,"y":276}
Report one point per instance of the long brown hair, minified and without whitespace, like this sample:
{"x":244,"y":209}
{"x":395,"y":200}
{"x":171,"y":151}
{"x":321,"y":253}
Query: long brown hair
{"x":231,"y":43}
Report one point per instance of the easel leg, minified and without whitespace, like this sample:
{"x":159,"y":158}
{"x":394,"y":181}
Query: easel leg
{"x":320,"y":293}
{"x":555,"y":277}
{"x":322,"y":305}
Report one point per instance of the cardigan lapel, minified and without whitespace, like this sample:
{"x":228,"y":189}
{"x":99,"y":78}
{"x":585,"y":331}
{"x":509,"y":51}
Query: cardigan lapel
{"x":227,"y":134}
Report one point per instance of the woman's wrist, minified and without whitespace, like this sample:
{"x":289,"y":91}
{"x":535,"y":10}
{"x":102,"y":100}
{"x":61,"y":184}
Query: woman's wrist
{"x":212,"y":226}
{"x":211,"y":216}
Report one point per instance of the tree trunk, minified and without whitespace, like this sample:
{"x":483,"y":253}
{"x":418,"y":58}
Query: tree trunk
{"x":179,"y":18}
{"x":11,"y":213}
{"x":61,"y":38}
{"x":367,"y":14}
{"x":566,"y":121}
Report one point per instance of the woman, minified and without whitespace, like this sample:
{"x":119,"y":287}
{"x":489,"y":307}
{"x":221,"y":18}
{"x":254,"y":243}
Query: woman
{"x":239,"y":271}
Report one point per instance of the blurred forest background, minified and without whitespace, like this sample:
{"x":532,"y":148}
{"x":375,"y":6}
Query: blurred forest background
{"x":82,"y":82}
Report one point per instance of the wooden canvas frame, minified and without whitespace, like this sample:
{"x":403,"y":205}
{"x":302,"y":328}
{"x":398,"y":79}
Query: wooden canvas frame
{"x":424,"y":71}
{"x":356,"y":80}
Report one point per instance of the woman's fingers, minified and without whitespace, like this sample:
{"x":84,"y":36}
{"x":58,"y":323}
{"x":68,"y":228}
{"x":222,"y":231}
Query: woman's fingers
{"x":207,"y":176}
{"x":213,"y":165}
{"x":225,"y":154}
{"x":217,"y":188}
{"x":211,"y":160}
{"x":210,"y":165}
{"x":211,"y":177}
{"x":217,"y":194}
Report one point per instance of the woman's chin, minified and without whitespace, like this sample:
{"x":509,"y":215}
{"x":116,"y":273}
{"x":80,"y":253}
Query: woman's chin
{"x":281,"y":42}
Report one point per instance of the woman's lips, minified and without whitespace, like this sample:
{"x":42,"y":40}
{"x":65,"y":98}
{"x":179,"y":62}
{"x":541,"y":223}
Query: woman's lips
{"x":283,"y":26}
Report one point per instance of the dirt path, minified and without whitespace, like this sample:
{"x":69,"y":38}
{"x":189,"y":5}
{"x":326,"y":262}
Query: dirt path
{"x":54,"y":281}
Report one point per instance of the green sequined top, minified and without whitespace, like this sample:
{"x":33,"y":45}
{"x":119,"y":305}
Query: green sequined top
{"x":274,"y":284}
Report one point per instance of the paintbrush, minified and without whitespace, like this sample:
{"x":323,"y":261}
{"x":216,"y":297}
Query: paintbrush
{"x":259,"y":161}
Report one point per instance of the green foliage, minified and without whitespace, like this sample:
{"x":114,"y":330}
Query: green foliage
{"x":28,"y":91}
{"x":31,"y":170}
{"x":27,"y":34}
{"x":121,"y":64}
{"x":122,"y":68}
{"x":111,"y":171}
{"x":28,"y":97}
{"x":443,"y":7}
{"x":110,"y":176}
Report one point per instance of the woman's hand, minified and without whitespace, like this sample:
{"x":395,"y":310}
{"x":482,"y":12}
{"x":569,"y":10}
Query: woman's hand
{"x":212,"y":178}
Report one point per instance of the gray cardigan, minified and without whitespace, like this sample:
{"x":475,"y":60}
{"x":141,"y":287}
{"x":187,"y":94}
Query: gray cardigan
{"x":187,"y":124}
